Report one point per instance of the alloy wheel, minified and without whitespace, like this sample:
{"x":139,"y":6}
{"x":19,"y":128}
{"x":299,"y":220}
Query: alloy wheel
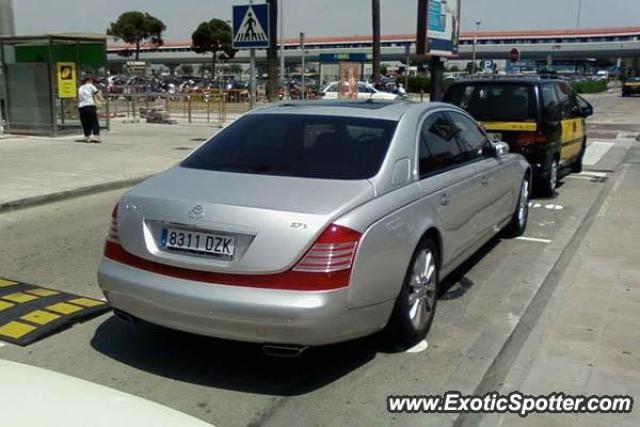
{"x":523,"y":208}
{"x":553,"y":175}
{"x":423,"y":289}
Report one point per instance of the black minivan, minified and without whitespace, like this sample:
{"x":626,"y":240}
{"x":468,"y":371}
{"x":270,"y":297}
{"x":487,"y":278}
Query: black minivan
{"x":539,"y":118}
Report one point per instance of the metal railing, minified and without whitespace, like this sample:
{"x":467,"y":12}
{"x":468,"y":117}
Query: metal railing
{"x":215,"y":106}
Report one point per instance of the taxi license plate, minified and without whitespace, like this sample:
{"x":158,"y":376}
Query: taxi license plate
{"x":198,"y":242}
{"x":494,"y":137}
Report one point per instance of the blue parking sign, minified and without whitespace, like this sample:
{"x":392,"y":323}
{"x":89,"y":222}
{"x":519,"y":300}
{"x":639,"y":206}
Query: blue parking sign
{"x":251,"y":26}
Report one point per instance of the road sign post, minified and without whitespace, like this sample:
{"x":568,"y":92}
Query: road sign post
{"x":251,"y":31}
{"x":282,"y":66}
{"x":252,"y":79}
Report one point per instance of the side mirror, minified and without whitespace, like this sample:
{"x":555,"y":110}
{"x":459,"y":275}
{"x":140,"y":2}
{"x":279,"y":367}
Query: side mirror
{"x":586,"y":111}
{"x":500,"y":148}
{"x":585,"y":107}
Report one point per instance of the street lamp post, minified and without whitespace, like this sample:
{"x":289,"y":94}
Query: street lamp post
{"x":302,"y":86}
{"x":1,"y":119}
{"x":579,"y":14}
{"x":475,"y":43}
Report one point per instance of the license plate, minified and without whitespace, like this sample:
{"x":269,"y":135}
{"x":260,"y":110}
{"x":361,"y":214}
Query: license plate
{"x":494,"y":137}
{"x":199,"y":242}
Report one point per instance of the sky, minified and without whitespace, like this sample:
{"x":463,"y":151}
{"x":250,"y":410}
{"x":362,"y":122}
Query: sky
{"x":322,"y":17}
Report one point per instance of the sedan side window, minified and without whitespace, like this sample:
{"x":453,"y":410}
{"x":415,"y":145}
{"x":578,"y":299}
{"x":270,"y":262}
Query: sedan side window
{"x":472,"y":140}
{"x":439,"y":149}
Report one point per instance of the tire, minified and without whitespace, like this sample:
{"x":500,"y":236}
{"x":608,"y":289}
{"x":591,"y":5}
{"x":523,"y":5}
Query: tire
{"x":577,"y":165}
{"x":415,"y":307}
{"x":548,"y":186}
{"x":520,"y":217}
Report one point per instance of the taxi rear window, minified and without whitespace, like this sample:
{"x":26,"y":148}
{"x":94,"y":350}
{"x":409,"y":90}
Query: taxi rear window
{"x":495,"y":102}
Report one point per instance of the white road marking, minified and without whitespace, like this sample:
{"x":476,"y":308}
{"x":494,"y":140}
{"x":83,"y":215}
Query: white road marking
{"x":2,"y":344}
{"x":554,"y":207}
{"x":534,"y":239}
{"x":595,"y":151}
{"x":534,"y":205}
{"x":419,"y":348}
{"x":582,"y":178}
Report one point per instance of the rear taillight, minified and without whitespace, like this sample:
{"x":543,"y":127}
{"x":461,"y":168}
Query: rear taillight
{"x":326,"y":266}
{"x":527,"y":138}
{"x":333,"y":251}
{"x":112,"y":236}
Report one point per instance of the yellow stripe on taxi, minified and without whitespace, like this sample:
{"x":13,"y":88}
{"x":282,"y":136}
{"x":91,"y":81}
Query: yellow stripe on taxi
{"x":516,"y":126}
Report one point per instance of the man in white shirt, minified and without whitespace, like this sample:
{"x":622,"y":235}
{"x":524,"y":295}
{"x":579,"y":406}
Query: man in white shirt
{"x":88,"y":111}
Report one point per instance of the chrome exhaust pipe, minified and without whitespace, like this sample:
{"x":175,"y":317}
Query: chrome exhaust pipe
{"x":125,"y":316}
{"x":286,"y":351}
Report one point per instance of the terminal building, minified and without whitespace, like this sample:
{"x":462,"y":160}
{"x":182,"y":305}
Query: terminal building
{"x":547,"y":45}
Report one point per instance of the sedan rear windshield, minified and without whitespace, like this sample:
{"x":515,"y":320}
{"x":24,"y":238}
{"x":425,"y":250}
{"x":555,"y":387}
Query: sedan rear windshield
{"x":495,"y":102}
{"x":305,"y":146}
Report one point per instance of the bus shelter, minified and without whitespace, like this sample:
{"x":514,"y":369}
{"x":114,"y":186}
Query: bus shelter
{"x":39,"y":77}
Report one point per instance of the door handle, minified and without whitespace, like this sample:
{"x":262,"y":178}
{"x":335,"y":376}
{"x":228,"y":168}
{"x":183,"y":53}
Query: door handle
{"x":485,"y":181}
{"x":444,"y":200}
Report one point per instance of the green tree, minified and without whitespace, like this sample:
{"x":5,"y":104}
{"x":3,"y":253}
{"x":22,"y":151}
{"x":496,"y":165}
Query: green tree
{"x":235,"y":69}
{"x":213,"y":36}
{"x":186,"y":69}
{"x":135,"y":27}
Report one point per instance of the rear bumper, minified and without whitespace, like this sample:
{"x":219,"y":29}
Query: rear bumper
{"x":539,"y":158}
{"x":239,"y":313}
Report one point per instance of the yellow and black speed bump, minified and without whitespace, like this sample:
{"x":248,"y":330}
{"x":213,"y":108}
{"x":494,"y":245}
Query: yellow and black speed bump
{"x":29,"y":313}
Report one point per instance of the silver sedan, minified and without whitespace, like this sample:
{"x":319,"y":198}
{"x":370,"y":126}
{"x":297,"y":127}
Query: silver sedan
{"x":305,"y":224}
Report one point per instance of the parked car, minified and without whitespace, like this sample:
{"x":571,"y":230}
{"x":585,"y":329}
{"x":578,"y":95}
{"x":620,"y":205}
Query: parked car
{"x":365,"y":91}
{"x":631,"y":86}
{"x":66,"y":401}
{"x":540,"y":118}
{"x":304,"y":224}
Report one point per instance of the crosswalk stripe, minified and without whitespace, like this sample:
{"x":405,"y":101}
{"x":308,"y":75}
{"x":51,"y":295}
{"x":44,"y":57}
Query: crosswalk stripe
{"x":595,"y":152}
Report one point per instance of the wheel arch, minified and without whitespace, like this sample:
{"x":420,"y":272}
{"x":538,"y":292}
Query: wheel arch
{"x":433,"y":234}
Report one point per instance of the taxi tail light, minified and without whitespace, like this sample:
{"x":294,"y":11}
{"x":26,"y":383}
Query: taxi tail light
{"x":333,"y":251}
{"x":112,"y":235}
{"x":528,"y":138}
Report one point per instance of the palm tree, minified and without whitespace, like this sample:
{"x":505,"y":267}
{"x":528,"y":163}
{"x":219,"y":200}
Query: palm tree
{"x":272,"y":51}
{"x":375,"y":21}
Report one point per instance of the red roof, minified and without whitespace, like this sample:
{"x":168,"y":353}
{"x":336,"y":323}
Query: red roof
{"x":404,"y":37}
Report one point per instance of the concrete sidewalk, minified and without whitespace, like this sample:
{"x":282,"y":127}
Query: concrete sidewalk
{"x":38,"y":169}
{"x":587,"y":341}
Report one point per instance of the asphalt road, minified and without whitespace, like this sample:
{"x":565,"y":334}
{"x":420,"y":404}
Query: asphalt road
{"x":232,"y":384}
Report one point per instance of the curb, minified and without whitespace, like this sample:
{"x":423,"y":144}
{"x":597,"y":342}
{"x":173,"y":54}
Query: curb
{"x":508,"y":353}
{"x":28,"y":202}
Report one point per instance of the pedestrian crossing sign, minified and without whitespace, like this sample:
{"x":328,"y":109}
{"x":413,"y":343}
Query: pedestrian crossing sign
{"x":251,"y":26}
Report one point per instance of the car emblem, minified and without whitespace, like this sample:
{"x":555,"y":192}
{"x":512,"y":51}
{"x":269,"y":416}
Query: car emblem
{"x":196,"y":212}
